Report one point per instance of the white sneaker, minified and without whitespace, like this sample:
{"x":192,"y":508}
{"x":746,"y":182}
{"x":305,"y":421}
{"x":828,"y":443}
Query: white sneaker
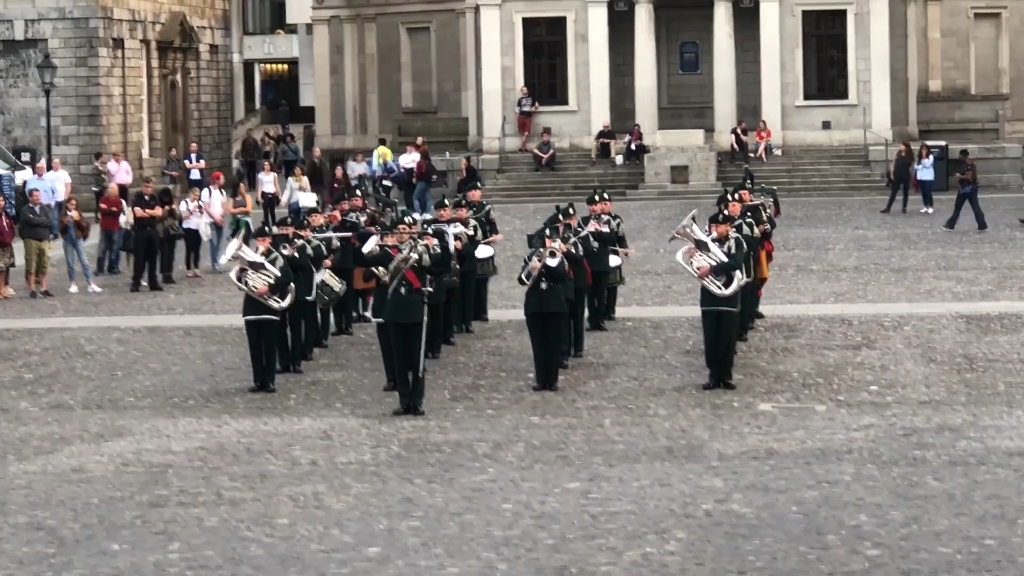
{"x":924,"y":210}
{"x":930,"y":209}
{"x":73,"y":289}
{"x":143,"y":283}
{"x":94,"y":289}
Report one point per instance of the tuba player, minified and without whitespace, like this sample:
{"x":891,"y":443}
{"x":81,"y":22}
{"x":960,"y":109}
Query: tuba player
{"x":261,"y":321}
{"x":719,"y":316}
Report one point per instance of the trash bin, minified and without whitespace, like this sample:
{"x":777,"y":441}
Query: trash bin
{"x":26,"y":155}
{"x":940,"y":151}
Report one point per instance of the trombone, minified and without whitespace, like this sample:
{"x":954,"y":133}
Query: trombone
{"x":552,"y":256}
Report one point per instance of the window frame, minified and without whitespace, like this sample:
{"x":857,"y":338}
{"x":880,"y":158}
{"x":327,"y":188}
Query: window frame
{"x":405,"y":58}
{"x":680,"y":70}
{"x":1004,"y":47}
{"x":852,"y":83}
{"x":570,"y":54}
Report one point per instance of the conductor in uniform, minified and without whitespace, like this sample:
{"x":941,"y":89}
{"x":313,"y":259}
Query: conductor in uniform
{"x":720,"y":316}
{"x":261,"y":321}
{"x":545,"y":309}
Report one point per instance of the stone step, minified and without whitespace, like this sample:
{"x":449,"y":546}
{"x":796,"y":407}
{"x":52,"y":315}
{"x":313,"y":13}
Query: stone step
{"x":583,"y":189}
{"x":780,"y":163}
{"x":635,"y":173}
{"x":559,"y":179}
{"x":804,"y":176}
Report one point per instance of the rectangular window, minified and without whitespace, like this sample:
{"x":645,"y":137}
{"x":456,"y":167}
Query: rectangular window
{"x":421,"y":49}
{"x":689,"y":58}
{"x":546,"y":60}
{"x":266,"y":17}
{"x":826,"y":66}
{"x":988,"y":32}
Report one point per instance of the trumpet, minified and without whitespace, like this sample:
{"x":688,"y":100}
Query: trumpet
{"x":693,"y":258}
{"x":552,"y":256}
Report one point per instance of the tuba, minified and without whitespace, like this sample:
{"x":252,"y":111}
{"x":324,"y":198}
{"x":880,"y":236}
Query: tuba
{"x":693,"y":258}
{"x":249,"y":279}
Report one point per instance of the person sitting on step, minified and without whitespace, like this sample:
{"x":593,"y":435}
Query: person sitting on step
{"x":544,"y":153}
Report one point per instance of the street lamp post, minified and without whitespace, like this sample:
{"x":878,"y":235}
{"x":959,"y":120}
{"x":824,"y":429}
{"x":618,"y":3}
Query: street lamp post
{"x":47,"y":70}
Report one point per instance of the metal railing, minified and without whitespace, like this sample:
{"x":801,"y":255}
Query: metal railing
{"x":867,"y":132}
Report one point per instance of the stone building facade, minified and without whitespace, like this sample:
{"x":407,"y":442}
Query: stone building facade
{"x":134,"y":77}
{"x":819,"y":72}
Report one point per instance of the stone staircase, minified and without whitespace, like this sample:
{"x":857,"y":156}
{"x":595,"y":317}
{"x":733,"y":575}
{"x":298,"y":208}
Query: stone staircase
{"x":817,"y":172}
{"x":573,"y":179}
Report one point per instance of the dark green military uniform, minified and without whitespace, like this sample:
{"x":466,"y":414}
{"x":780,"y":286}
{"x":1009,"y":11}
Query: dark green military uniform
{"x":261,"y":323}
{"x":720,"y":315}
{"x":545,"y":310}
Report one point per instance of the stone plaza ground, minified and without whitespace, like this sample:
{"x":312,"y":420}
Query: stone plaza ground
{"x":876,"y":428}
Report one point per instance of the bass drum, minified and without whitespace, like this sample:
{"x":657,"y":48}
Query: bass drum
{"x":485,"y":266}
{"x":615,"y":276}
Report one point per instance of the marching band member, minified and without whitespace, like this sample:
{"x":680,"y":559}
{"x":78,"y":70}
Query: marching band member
{"x":342,"y":264}
{"x":404,"y":313}
{"x":361,"y":291}
{"x":575,"y":257}
{"x":440,"y":329}
{"x":597,"y":260}
{"x":290,"y":351}
{"x":745,"y":227}
{"x":377,"y":264}
{"x":483,"y":213}
{"x":720,"y":315}
{"x":618,"y":228}
{"x":318,"y":254}
{"x":467,"y":268}
{"x":318,"y":223}
{"x":261,"y":321}
{"x":545,"y":310}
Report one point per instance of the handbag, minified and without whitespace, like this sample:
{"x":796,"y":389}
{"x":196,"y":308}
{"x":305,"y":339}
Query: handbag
{"x":173,"y":231}
{"x":307,"y":200}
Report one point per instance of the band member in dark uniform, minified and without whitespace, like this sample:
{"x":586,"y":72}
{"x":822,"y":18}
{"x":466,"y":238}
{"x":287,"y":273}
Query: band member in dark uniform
{"x":483,"y":213}
{"x":146,"y":209}
{"x":361,"y":291}
{"x":467,"y":268}
{"x":603,"y":237}
{"x":376,"y":264}
{"x":261,"y":321}
{"x":289,"y":336}
{"x":437,"y":325}
{"x":404,"y":312}
{"x":720,"y":316}
{"x":342,"y":264}
{"x":310,"y":321}
{"x":545,"y":309}
{"x":575,"y":257}
{"x":618,"y":228}
{"x":318,"y":224}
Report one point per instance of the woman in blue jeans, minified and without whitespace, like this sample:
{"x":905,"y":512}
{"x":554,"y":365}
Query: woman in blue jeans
{"x":75,"y":230}
{"x":424,"y":179}
{"x":925,"y":168}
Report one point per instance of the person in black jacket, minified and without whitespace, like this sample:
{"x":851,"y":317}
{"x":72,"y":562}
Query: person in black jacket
{"x":308,"y":306}
{"x":440,"y":328}
{"x":296,"y":254}
{"x":318,"y":225}
{"x":375,"y":268}
{"x":483,"y":213}
{"x":405,"y":312}
{"x":545,"y":310}
{"x":342,"y":263}
{"x":576,"y":258}
{"x":463,"y":309}
{"x":147,"y":211}
{"x":261,"y":321}
{"x":597,"y":226}
{"x":34,"y":224}
{"x":720,"y":315}
{"x":619,"y":229}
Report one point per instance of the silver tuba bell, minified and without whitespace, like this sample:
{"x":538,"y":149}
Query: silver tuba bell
{"x":249,"y":280}
{"x":693,"y":258}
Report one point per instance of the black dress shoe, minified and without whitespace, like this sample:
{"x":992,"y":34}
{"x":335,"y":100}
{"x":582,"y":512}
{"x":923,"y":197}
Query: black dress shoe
{"x":285,"y":370}
{"x":449,"y":342}
{"x":602,"y":328}
{"x":133,"y":288}
{"x":169,"y":280}
{"x":47,"y":294}
{"x":271,"y":389}
{"x":741,"y":338}
{"x":336,"y":333}
{"x":458,"y":330}
{"x":403,"y":411}
{"x":483,"y":318}
{"x":469,"y":330}
{"x":418,"y":412}
{"x":726,"y":385}
{"x":609,"y":317}
{"x":322,"y":345}
{"x":390,"y":387}
{"x":577,"y":354}
{"x":307,"y":358}
{"x":347,"y":332}
{"x":257,"y":388}
{"x":593,"y":328}
{"x":565,"y":364}
{"x":156,"y":288}
{"x":296,"y":369}
{"x":433,"y":356}
{"x":553,"y":388}
{"x":758,"y":315}
{"x":709,"y":385}
{"x":539,"y":388}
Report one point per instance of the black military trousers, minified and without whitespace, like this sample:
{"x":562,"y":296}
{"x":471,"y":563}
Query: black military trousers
{"x":406,"y":346}
{"x":310,"y":326}
{"x":262,"y":337}
{"x":343,"y":307}
{"x":325,"y":325}
{"x":435,"y":327}
{"x":574,"y":328}
{"x":387,"y":350}
{"x":546,"y":340}
{"x":464,"y":308}
{"x":480,"y":302}
{"x":289,"y":337}
{"x":610,"y":300}
{"x":565,"y":348}
{"x":721,"y":327}
{"x":597,"y":300}
{"x":748,"y":305}
{"x":145,"y":252}
{"x":757,"y":295}
{"x":452,"y":302}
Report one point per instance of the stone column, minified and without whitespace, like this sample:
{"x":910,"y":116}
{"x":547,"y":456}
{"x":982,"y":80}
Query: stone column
{"x":934,"y":25}
{"x":350,"y":47}
{"x":645,"y":68}
{"x":490,"y":77}
{"x":467,"y":46}
{"x":600,"y":64}
{"x":771,"y":68}
{"x":237,"y":67}
{"x":370,"y":73}
{"x":913,"y":73}
{"x":724,"y":70}
{"x":881,"y":67}
{"x":321,"y":78}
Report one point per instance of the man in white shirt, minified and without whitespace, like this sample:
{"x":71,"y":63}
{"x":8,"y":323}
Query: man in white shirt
{"x":358,"y":171}
{"x":61,"y":181}
{"x":195,"y":163}
{"x":213,"y":202}
{"x":407,"y":164}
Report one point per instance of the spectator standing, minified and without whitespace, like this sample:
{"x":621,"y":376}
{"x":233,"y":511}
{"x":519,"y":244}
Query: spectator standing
{"x":192,"y":216}
{"x":526,"y":106}
{"x":968,"y":193}
{"x":213,"y":202}
{"x":34,"y":225}
{"x":147,"y":210}
{"x":168,"y":227}
{"x":738,"y":142}
{"x":268,"y":149}
{"x":358,"y":171}
{"x":382,"y":158}
{"x":195,"y":163}
{"x":99,"y":182}
{"x":544,"y":153}
{"x":290,"y":154}
{"x":319,"y":173}
{"x":270,"y":193}
{"x":250,"y":154}
{"x":239,"y":207}
{"x":423,"y":178}
{"x":74,"y":230}
{"x":407,"y":182}
{"x":763,"y":135}
{"x":635,"y":147}
{"x":7,"y":233}
{"x":61,"y":184}
{"x":284,"y":117}
{"x":297,"y":184}
{"x":899,"y":173}
{"x":120,"y":173}
{"x":604,"y":145}
{"x":339,"y":185}
{"x":172,"y":168}
{"x":111,"y":209}
{"x":47,"y":193}
{"x":925,"y":171}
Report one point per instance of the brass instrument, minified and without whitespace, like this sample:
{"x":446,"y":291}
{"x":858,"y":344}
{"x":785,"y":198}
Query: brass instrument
{"x":417,"y":251}
{"x":552,"y":256}
{"x":693,"y":258}
{"x":333,"y":235}
{"x":249,"y":280}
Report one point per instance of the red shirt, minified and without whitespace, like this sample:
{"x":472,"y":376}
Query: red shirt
{"x":110,"y":213}
{"x":763,"y":135}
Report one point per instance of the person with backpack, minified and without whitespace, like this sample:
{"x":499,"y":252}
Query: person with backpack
{"x":424,"y":178}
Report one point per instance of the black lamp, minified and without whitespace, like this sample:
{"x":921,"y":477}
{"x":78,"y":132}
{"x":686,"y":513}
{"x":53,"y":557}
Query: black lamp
{"x":47,"y":70}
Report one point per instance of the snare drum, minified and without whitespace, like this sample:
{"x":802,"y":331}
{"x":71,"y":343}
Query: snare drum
{"x":358,"y":284}
{"x":615,"y":276}
{"x":485,"y":266}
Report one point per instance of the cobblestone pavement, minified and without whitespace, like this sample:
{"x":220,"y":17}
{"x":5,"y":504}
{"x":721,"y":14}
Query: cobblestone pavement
{"x":882,"y":444}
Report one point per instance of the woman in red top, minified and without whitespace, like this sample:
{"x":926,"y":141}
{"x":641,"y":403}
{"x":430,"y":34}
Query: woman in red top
{"x":109,"y":255}
{"x":424,"y":177}
{"x":764,"y":141}
{"x":6,"y":247}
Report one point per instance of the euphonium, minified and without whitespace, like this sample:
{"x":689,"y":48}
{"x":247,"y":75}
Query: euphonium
{"x":249,"y":280}
{"x":693,"y":258}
